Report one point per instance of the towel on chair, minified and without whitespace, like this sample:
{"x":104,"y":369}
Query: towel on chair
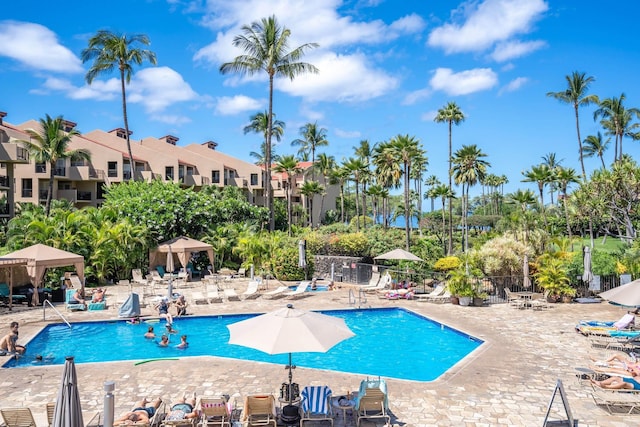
{"x":315,"y":399}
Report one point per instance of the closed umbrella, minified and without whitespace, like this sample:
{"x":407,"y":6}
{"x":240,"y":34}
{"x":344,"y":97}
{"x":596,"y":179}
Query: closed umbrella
{"x":289,"y":330}
{"x":526,"y":281}
{"x":170,"y":267}
{"x":628,"y":294}
{"x":68,"y":411}
{"x":587,"y":276}
{"x":302,"y":256}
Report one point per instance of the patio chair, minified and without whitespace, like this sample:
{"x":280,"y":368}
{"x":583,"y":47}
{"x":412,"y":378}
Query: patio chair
{"x":540,"y":301}
{"x":438,"y":290}
{"x":299,"y":291}
{"x":616,"y":401}
{"x":51,"y":407}
{"x":137,"y":277}
{"x":373,"y":282}
{"x":17,"y":417}
{"x":231,"y":294}
{"x":384,"y":283}
{"x":215,"y":412}
{"x":4,"y":294}
{"x":276,"y":293}
{"x":513,"y":300}
{"x":71,"y":304}
{"x":252,"y":291}
{"x":242,"y":272}
{"x":316,"y":404}
{"x":445,"y":296}
{"x":259,"y":410}
{"x":372,"y":401}
{"x":213,"y":295}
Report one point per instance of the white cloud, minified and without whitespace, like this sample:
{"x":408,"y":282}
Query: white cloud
{"x":464,"y":82}
{"x":515,"y":49}
{"x":171,"y":119}
{"x":347,"y":133}
{"x":409,"y":24}
{"x":342,"y":78}
{"x":158,"y":87}
{"x":416,"y":96}
{"x":487,"y":23}
{"x":429,"y":116}
{"x":100,"y":90}
{"x":310,"y":114}
{"x":229,"y":106}
{"x":514,"y":84}
{"x":36,"y":47}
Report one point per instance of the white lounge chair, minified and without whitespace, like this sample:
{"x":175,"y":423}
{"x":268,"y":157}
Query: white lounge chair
{"x":384,"y":283}
{"x":276,"y":293}
{"x":299,"y":291}
{"x":198,"y":298}
{"x":373,"y":282}
{"x":213,"y":295}
{"x":252,"y":291}
{"x":231,"y":294}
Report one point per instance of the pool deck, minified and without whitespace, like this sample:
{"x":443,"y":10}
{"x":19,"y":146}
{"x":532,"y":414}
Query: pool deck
{"x":506,"y":382}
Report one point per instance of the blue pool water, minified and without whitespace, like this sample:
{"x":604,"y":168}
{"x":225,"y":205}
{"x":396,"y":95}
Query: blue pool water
{"x":393,"y":343}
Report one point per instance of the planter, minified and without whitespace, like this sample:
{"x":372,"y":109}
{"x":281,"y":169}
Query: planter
{"x":478,"y":302}
{"x":567,"y":299}
{"x":455,"y":300}
{"x":465,"y":301}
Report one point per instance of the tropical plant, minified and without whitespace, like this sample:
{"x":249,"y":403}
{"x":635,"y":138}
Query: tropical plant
{"x":450,"y":114}
{"x":356,"y":169}
{"x":542,"y":175}
{"x":616,"y":118}
{"x":110,"y":51}
{"x":312,"y":138}
{"x":595,"y":145}
{"x":310,"y":189}
{"x":553,"y":277}
{"x":288,"y":164}
{"x":265,"y":46}
{"x":51,"y":144}
{"x":259,"y":123}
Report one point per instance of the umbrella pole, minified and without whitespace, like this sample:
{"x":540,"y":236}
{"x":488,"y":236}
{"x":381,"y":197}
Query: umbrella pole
{"x":291,"y":367}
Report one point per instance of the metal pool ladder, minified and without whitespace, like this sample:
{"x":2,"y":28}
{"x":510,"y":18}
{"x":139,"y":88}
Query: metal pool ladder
{"x":44,"y":312}
{"x":362,"y":298}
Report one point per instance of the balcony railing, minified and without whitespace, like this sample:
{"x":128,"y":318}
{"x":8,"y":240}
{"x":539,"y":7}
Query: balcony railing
{"x":84,"y":195}
{"x":112,"y":173}
{"x":60,"y":171}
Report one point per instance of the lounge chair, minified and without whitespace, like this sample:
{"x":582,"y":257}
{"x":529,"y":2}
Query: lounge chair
{"x":438,"y":290}
{"x":276,"y":293}
{"x":17,"y":417}
{"x":213,"y":295}
{"x":616,"y":401}
{"x":4,"y":294}
{"x":198,"y":298}
{"x":251,"y":292}
{"x":299,"y":291}
{"x":373,"y":282}
{"x":372,"y":401}
{"x":215,"y":412}
{"x":445,"y":296}
{"x":137,"y":277}
{"x":513,"y":300}
{"x":231,"y":294}
{"x":71,"y":304}
{"x":316,"y":404}
{"x":51,"y":408}
{"x":259,"y":410}
{"x":384,"y":283}
{"x":242,"y":272}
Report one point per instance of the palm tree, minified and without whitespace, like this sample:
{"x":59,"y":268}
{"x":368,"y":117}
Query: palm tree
{"x":418,"y":169}
{"x":356,"y":168}
{"x":364,"y":153}
{"x":309,"y":189}
{"x":312,"y":138}
{"x":112,"y":50}
{"x":617,"y":120}
{"x":576,"y":95}
{"x":431,"y":182}
{"x":265,"y":44}
{"x":541,"y":175}
{"x":340,"y":175}
{"x":325,"y":165}
{"x":594,"y":145}
{"x":565,"y":177}
{"x":469,"y":168}
{"x":450,"y":114}
{"x":262,"y":155}
{"x":259,"y":124}
{"x":288,"y":164}
{"x":524,"y":199}
{"x":406,"y":150}
{"x":553,"y":164}
{"x":442,"y":191}
{"x":50,"y":145}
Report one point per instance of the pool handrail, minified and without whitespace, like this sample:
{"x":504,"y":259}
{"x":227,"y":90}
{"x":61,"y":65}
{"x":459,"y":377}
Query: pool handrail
{"x":44,"y":312}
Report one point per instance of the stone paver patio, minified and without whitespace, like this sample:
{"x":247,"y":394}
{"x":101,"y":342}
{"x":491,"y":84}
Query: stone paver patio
{"x":507,"y":382}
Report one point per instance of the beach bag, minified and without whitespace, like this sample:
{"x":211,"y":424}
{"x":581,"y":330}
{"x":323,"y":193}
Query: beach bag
{"x":284,"y":392}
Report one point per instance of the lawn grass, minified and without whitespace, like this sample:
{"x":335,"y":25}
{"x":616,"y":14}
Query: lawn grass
{"x":612,"y":244}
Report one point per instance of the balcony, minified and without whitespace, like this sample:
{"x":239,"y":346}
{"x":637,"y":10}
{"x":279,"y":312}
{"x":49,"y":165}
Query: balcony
{"x":13,"y":153}
{"x":195,"y":180}
{"x":85,"y":173}
{"x":41,"y":168}
{"x":84,"y":196}
{"x":42,"y":194}
{"x":60,"y":171}
{"x":148,"y":176}
{"x":70,"y":195}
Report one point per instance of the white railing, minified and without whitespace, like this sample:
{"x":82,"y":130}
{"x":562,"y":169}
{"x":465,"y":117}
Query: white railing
{"x":362,"y":298}
{"x":44,"y":312}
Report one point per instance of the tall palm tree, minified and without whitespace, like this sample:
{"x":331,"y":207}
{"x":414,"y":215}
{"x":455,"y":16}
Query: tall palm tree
{"x":450,"y":114}
{"x":442,"y":191}
{"x":617,"y":120}
{"x":406,"y":149}
{"x":340,"y":175}
{"x":259,"y":123}
{"x":356,"y":168}
{"x":469,"y":168}
{"x":312,"y":138}
{"x":265,"y":44}
{"x":576,"y":95}
{"x":325,"y":165}
{"x":541,"y":175}
{"x":523,"y":199}
{"x":566,"y":177}
{"x":550,"y":160}
{"x":50,"y":145}
{"x":310,"y":189}
{"x":418,"y":168}
{"x":288,"y":164}
{"x":431,"y":182}
{"x":363,"y":151}
{"x":112,"y":50}
{"x":595,"y":145}
{"x":260,"y":157}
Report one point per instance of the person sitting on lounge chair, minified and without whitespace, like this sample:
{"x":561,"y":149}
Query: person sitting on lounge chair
{"x":627,"y":321}
{"x":183,"y":409}
{"x":98,"y":295}
{"x":77,"y":298}
{"x":141,"y":413}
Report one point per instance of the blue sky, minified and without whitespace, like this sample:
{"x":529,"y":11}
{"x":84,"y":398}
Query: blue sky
{"x":386,"y":67}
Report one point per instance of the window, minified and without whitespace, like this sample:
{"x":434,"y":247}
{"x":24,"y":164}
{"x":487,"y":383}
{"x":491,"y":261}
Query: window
{"x":61,"y":168}
{"x":189,"y":170}
{"x":254,"y":179}
{"x":168,"y":173}
{"x":41,"y":168}
{"x":112,"y":169}
{"x":27,"y":187}
{"x":215,"y":177}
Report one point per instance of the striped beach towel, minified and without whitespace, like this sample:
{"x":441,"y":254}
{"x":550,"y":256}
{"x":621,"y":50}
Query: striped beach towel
{"x":315,"y":399}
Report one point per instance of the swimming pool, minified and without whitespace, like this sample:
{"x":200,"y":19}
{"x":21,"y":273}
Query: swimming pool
{"x":389,"y":342}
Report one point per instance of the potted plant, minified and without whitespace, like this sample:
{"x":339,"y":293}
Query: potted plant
{"x":460,"y":286}
{"x":552,"y":276}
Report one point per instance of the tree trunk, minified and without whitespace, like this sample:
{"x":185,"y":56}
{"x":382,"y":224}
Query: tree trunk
{"x":267,"y":157}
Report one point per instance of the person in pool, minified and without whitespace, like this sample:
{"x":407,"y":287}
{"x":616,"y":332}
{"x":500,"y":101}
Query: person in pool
{"x":164,"y":341}
{"x":183,"y":342}
{"x":141,"y":413}
{"x":150,"y":334}
{"x":9,"y":343}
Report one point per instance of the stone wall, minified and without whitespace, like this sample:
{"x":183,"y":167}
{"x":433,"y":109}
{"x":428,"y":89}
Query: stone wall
{"x":346,"y":269}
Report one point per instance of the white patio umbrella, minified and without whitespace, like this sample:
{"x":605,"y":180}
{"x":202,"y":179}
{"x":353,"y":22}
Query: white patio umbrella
{"x":68,"y":411}
{"x":587,"y":276}
{"x":628,"y":294}
{"x":399,"y":254}
{"x":289,"y":330}
{"x":169,"y":269}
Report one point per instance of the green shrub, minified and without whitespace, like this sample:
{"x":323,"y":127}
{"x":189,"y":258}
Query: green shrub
{"x":285,"y":265}
{"x":447,"y":263}
{"x":351,"y":244}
